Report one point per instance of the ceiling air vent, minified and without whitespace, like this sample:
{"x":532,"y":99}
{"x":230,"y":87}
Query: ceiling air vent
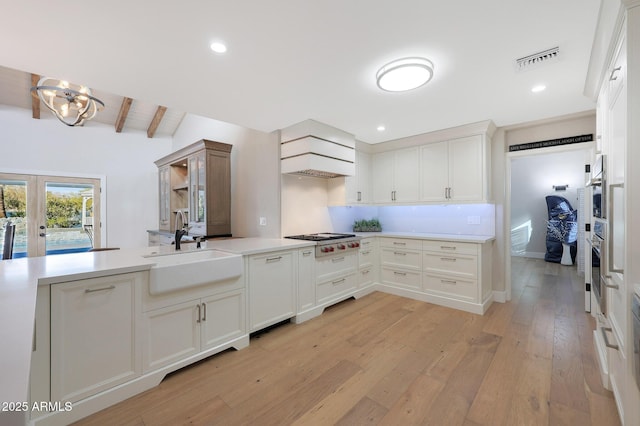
{"x":537,"y":59}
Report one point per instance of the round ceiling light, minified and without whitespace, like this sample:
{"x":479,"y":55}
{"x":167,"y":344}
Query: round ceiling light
{"x":218,"y":47}
{"x":404,"y":74}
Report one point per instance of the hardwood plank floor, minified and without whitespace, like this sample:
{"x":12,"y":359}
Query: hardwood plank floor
{"x":388,"y":360}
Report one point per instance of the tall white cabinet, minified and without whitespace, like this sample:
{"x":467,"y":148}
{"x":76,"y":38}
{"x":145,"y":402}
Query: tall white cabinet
{"x":395,"y":176}
{"x":614,"y":79}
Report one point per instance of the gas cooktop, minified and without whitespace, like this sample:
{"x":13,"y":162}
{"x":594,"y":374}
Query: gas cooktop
{"x":320,"y":237}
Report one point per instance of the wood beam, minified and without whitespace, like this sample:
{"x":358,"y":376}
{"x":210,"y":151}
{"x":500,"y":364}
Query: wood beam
{"x":35,"y":100}
{"x":157,"y":118}
{"x":122,"y":115}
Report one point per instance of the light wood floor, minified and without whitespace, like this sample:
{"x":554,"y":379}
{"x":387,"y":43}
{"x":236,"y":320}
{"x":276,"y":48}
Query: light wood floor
{"x":388,"y":360}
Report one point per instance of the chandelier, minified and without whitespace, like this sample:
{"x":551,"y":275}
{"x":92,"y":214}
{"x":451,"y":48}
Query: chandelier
{"x":71,"y":103}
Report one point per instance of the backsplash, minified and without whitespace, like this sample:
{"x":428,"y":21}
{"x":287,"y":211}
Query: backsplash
{"x":467,"y":219}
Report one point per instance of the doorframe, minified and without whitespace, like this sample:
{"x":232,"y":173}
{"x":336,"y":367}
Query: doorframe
{"x":509,"y":156}
{"x":53,"y":174}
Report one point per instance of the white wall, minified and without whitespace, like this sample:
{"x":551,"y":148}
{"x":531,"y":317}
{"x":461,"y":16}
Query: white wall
{"x":46,"y":146}
{"x":255,"y":172}
{"x":532,"y":178}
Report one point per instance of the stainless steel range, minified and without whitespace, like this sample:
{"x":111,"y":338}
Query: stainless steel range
{"x":331,"y":243}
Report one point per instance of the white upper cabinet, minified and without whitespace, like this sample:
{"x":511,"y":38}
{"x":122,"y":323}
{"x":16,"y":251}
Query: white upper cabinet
{"x":395,"y":176}
{"x":454,"y":171}
{"x":358,"y":187}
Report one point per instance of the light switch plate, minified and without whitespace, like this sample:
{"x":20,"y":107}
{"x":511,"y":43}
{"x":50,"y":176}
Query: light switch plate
{"x":263,"y":221}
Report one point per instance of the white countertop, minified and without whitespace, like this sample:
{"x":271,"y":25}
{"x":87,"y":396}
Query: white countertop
{"x":430,"y":236}
{"x":248,"y":246}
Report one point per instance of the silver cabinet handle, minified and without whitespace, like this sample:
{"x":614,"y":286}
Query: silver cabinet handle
{"x":606,"y":338}
{"x":396,"y":243}
{"x":273,"y":259}
{"x":359,"y":196}
{"x":204,"y":311}
{"x":448,"y":259}
{"x":93,"y":290}
{"x":448,"y":282}
{"x":399,"y":253}
{"x":612,"y":267}
{"x":365,"y":272}
{"x":403,"y":274}
{"x":613,"y":72}
{"x":364,"y":253}
{"x":338,"y":281}
{"x":447,"y":247}
{"x":198,"y":307}
{"x":306,"y":253}
{"x":337,"y":259}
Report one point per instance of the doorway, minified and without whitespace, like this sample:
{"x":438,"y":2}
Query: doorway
{"x":530,"y":177}
{"x":51,"y":214}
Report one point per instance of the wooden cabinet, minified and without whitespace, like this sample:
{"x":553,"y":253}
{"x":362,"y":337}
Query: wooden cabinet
{"x":396,"y":176}
{"x":199,"y":177}
{"x":184,"y":323}
{"x":455,"y":170}
{"x":272,"y":288}
{"x":94,"y":342}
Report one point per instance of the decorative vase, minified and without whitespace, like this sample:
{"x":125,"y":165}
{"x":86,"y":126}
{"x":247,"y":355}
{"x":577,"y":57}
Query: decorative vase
{"x":566,"y":255}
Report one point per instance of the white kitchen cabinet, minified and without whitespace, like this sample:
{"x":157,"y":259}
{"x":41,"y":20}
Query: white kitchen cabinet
{"x":272,"y":288}
{"x":401,"y":263}
{"x":306,"y":282}
{"x":395,"y":176}
{"x":358,"y":187}
{"x":368,"y":262}
{"x":94,"y":340}
{"x":454,"y":171}
{"x":335,"y":277}
{"x":164,"y":185}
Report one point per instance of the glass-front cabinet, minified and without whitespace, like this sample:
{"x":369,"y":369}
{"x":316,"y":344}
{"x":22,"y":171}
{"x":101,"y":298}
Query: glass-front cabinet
{"x":199,"y":194}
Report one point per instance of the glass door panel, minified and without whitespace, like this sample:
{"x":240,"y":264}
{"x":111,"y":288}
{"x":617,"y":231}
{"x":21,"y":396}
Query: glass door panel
{"x":69,"y":216}
{"x":13,"y":211}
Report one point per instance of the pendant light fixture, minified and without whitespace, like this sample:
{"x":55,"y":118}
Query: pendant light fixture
{"x":404,"y":74}
{"x":70,"y":103}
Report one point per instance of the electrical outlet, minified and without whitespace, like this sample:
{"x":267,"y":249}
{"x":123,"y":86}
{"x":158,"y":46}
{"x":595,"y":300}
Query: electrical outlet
{"x":473,"y":220}
{"x":263,"y":221}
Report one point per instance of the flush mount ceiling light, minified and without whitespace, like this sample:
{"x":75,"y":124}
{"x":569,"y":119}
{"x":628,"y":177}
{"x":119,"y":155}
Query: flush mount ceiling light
{"x":404,"y":74}
{"x":70,"y":103}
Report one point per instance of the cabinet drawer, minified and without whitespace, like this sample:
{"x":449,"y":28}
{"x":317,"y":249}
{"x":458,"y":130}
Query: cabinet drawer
{"x":332,"y":267}
{"x":401,"y":243}
{"x":365,"y":277}
{"x":407,"y":279}
{"x":366,"y":257}
{"x":452,"y":287}
{"x":400,"y":258}
{"x":451,"y":247}
{"x":335,"y":288}
{"x":462,"y":266}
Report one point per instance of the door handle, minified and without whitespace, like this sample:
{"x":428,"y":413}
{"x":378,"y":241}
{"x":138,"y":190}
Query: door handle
{"x":204,"y":312}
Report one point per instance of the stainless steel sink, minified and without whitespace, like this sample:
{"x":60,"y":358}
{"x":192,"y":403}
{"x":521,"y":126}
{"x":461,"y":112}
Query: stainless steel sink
{"x":180,"y":270}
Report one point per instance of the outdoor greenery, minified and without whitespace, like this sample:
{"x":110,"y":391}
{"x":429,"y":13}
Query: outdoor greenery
{"x":63,"y":210}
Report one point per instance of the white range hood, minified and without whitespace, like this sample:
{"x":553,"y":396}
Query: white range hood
{"x":311,"y":148}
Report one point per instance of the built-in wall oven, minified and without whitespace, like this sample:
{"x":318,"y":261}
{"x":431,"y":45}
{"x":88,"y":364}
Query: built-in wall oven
{"x":598,"y":248}
{"x":598,"y":184}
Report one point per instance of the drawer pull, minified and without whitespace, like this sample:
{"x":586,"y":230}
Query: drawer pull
{"x":447,"y":247}
{"x":365,"y":272}
{"x":448,"y":259}
{"x":337,"y":259}
{"x":199,"y":312}
{"x":404,"y":274}
{"x":306,"y":253}
{"x":274,"y":259}
{"x":93,"y":290}
{"x":399,"y":253}
{"x":613,"y":72}
{"x":362,"y":243}
{"x":449,"y":282}
{"x":606,"y":339}
{"x":395,"y":243}
{"x":204,"y":312}
{"x":365,"y":252}
{"x":338,"y":281}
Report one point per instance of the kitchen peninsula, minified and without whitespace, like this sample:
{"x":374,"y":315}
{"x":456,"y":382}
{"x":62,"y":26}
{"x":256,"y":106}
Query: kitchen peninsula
{"x":276,"y":282}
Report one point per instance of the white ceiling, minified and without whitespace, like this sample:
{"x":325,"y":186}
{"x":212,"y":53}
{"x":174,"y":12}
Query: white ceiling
{"x":289,"y":60}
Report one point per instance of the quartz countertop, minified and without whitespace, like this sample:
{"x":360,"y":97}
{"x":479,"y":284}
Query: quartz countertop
{"x":430,"y":236}
{"x":248,"y":246}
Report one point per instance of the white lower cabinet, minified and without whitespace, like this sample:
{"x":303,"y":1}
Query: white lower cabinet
{"x":94,"y":343}
{"x":336,"y":277}
{"x":180,"y":330}
{"x":401,"y":263}
{"x":368,"y":262}
{"x":272,"y":288}
{"x":306,"y":282}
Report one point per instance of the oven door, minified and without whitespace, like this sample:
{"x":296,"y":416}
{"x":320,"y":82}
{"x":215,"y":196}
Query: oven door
{"x":596,"y":273}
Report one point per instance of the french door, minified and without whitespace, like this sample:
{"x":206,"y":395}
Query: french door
{"x":51,"y":214}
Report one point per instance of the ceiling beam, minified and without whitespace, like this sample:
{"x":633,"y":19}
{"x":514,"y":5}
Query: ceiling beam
{"x":35,"y":100}
{"x":122,"y":115}
{"x":157,"y":118}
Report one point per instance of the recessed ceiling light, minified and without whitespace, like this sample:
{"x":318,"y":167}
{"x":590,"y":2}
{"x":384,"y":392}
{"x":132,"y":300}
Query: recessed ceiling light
{"x":404,"y":74}
{"x":381,"y":128}
{"x":538,"y":88}
{"x":218,"y":47}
